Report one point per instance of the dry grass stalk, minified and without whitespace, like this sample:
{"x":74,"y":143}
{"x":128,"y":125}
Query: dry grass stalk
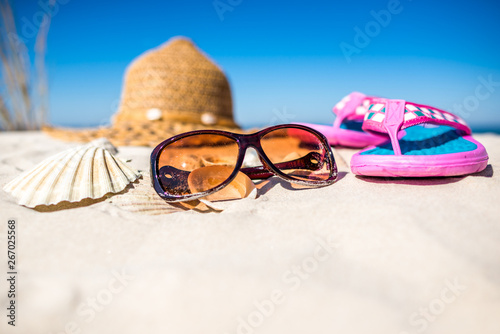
{"x":23,"y":102}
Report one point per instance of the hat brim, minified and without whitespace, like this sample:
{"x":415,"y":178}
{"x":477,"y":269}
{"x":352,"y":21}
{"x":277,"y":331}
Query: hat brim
{"x":133,"y":134}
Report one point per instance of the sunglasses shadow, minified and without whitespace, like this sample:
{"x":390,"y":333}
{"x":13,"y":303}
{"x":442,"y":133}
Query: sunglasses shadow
{"x":264,"y":186}
{"x":194,"y":205}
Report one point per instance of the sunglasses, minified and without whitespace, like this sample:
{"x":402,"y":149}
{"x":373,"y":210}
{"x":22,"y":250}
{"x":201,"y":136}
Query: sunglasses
{"x":198,"y":163}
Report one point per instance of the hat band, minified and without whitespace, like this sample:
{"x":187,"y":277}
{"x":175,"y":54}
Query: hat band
{"x":206,"y":119}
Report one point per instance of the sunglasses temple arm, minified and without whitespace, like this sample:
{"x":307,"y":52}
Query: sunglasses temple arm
{"x":257,"y":173}
{"x":305,"y":162}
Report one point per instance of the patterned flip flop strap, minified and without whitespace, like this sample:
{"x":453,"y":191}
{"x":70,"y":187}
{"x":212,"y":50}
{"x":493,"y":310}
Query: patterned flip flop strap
{"x":391,"y":116}
{"x":352,"y":107}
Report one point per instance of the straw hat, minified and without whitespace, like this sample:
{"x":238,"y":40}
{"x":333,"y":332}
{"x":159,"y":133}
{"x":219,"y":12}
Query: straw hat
{"x":167,"y":90}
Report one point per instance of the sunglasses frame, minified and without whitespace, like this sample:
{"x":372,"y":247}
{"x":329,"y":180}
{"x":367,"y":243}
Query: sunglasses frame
{"x":244,"y":142}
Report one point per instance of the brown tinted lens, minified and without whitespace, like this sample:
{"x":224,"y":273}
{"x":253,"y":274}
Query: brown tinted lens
{"x":297,"y":153}
{"x":196,"y":163}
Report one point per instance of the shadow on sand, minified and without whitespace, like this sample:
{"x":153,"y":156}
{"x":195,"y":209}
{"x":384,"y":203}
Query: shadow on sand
{"x":265,"y":185}
{"x":425,"y":181}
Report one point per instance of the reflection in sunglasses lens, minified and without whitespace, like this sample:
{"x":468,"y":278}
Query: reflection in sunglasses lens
{"x":297,"y":153}
{"x":196,"y":163}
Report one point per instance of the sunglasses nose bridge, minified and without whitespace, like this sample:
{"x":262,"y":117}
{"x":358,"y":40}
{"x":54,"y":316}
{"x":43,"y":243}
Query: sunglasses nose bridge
{"x":252,"y":141}
{"x":255,"y":144}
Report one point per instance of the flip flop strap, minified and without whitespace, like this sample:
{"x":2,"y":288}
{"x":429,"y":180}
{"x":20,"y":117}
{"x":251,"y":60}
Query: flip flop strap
{"x":391,"y":116}
{"x":348,"y":108}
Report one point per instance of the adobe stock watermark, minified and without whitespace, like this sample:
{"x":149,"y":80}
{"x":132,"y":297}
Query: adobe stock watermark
{"x":223,"y":6}
{"x":292,"y":279}
{"x":424,"y":316}
{"x":29,"y":27}
{"x":363,"y":37}
{"x":281,"y":117}
{"x":484,"y":90}
{"x":87,"y":310}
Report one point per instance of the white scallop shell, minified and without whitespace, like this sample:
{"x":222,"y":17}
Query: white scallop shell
{"x":105,"y":144}
{"x":83,"y":172}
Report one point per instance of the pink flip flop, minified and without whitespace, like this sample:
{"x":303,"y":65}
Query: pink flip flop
{"x":423,"y":141}
{"x":346,"y":130}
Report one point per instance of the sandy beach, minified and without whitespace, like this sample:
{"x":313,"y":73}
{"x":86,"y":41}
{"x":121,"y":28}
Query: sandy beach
{"x":365,"y":255}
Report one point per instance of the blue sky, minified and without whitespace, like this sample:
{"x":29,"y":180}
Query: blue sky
{"x":286,"y":61}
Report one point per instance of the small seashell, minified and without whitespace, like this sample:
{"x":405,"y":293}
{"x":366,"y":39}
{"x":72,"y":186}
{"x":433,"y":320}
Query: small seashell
{"x":208,"y":177}
{"x":82,"y":172}
{"x":208,"y":118}
{"x":153,"y":114}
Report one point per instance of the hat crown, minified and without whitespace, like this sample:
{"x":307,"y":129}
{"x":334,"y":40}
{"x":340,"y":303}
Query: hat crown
{"x":179,"y":83}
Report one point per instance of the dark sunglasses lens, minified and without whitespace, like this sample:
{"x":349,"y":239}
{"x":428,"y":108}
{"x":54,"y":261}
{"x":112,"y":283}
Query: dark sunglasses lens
{"x":298,"y":153}
{"x":196,"y":163}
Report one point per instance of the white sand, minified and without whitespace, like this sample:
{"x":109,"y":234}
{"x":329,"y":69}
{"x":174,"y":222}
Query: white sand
{"x":405,"y":256}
